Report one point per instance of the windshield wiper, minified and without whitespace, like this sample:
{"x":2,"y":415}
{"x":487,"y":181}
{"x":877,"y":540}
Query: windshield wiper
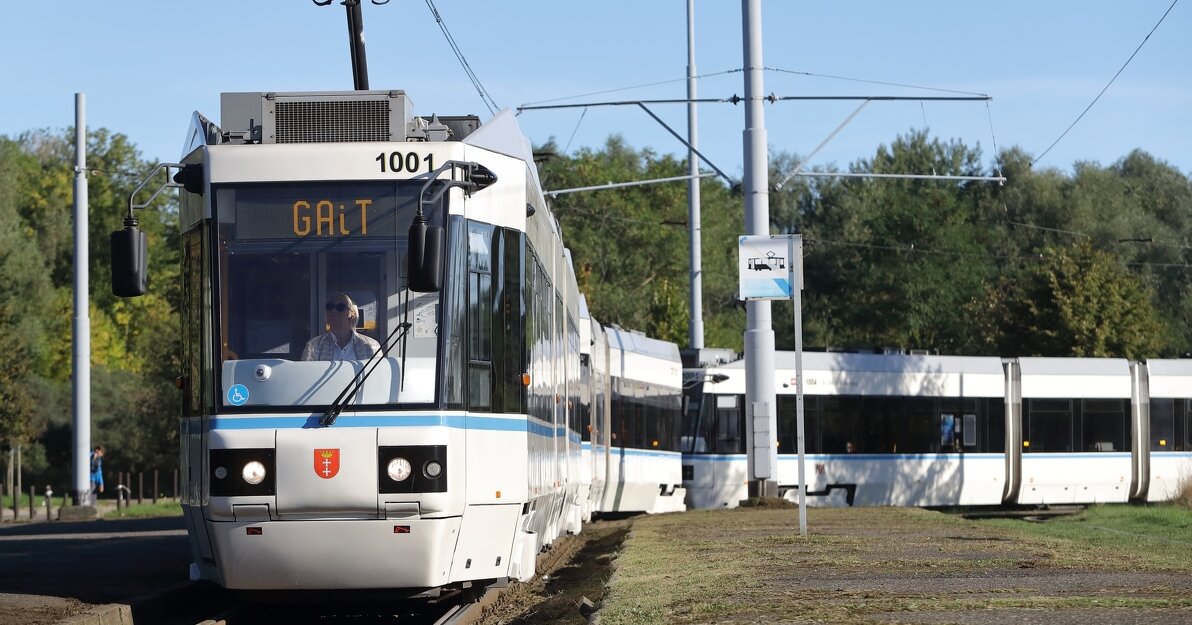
{"x":349,"y":393}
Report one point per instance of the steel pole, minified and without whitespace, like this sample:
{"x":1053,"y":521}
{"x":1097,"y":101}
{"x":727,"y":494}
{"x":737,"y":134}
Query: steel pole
{"x":759,"y":334}
{"x":695,"y":326}
{"x":81,"y":325}
{"x":356,"y":44}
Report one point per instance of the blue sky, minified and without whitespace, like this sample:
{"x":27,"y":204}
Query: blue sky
{"x":146,"y":65}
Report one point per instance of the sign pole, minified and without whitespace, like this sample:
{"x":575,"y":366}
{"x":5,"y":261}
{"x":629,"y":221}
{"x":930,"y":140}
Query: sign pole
{"x":795,"y":254}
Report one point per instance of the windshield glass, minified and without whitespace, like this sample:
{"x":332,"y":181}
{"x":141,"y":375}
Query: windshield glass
{"x":311,"y":281}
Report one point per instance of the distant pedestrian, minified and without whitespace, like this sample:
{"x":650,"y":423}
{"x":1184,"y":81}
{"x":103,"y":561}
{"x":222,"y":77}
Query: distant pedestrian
{"x":96,"y":473}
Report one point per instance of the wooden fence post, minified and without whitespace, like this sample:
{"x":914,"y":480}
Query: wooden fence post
{"x":140,"y":488}
{"x":155,"y":486}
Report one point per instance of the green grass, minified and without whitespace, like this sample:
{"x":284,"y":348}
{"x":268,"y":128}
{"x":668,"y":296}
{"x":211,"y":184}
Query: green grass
{"x":1152,"y":537}
{"x":168,"y":507}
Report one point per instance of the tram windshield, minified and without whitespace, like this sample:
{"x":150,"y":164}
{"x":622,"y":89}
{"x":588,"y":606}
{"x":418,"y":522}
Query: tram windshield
{"x":284,"y":252}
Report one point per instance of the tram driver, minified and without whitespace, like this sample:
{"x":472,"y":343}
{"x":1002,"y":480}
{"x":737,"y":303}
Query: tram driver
{"x":341,"y":342}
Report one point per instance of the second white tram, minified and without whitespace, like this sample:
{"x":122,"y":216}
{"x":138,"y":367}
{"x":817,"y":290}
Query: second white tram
{"x":917,"y":430}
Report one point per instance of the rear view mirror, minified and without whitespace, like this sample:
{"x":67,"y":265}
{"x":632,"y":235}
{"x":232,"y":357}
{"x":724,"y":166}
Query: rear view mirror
{"x":425,"y":258}
{"x":130,"y":253}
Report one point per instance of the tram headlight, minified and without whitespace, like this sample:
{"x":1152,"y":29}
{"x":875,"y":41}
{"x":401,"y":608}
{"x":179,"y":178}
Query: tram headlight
{"x":432,"y":469}
{"x":253,"y":473}
{"x":221,"y":472}
{"x":399,"y":469}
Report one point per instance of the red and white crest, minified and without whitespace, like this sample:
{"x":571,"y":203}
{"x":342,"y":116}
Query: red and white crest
{"x":326,"y":463}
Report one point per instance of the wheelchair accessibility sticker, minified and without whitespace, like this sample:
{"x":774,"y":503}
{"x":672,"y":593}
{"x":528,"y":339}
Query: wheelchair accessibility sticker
{"x":238,"y":395}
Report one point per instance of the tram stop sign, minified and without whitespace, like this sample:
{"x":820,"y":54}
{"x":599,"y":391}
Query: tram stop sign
{"x":768,"y":264}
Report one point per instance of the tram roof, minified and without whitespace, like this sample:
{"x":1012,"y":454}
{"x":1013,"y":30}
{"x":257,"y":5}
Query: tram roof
{"x":637,"y":343}
{"x":884,"y":363}
{"x":1074,"y":366}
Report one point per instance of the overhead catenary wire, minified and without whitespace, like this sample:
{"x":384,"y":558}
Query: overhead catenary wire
{"x":628,"y":88}
{"x":1107,"y":85}
{"x":872,"y":82}
{"x":484,"y":95}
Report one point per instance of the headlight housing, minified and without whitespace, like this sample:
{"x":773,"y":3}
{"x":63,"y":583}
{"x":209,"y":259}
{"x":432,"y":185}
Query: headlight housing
{"x":257,"y":470}
{"x":411,"y":469}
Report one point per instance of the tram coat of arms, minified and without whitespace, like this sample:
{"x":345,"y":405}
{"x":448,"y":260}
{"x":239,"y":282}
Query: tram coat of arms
{"x":326,"y":463}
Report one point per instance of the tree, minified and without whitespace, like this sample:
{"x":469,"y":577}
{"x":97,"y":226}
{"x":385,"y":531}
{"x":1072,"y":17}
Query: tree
{"x":892,"y":262}
{"x":24,"y":291}
{"x":134,"y":342}
{"x":629,"y":245}
{"x":1076,"y":301}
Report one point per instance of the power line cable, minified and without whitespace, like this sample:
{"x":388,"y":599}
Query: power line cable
{"x":871,"y":82}
{"x":1119,"y":72}
{"x":631,"y":87}
{"x":577,"y":123}
{"x":484,"y":95}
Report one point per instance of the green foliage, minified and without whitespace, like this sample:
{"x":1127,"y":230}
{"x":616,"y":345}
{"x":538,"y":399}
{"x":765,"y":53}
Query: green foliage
{"x":891,"y":262}
{"x":134,"y":342}
{"x":1077,"y":301}
{"x":630,"y":245}
{"x":1091,"y":263}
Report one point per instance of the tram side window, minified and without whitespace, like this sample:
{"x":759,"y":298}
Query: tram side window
{"x":514,"y":322}
{"x":480,"y":315}
{"x":916,"y":427}
{"x":840,"y":419}
{"x":1105,"y":425}
{"x":676,"y":399}
{"x":1163,"y":424}
{"x":730,"y":422}
{"x":1183,"y":424}
{"x":788,"y":424}
{"x":574,"y":412}
{"x":994,"y":418}
{"x":693,"y":398}
{"x":1049,"y":424}
{"x":455,"y":314}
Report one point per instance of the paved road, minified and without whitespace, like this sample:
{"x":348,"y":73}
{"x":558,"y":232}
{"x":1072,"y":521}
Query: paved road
{"x":94,"y":562}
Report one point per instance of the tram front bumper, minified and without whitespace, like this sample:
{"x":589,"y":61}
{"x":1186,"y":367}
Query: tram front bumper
{"x":334,"y":554}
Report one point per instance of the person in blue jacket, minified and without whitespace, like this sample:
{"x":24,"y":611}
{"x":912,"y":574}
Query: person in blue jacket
{"x":96,"y":473}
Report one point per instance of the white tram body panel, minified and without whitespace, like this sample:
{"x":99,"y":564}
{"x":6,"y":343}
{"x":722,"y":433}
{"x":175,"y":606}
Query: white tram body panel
{"x":1072,"y":464}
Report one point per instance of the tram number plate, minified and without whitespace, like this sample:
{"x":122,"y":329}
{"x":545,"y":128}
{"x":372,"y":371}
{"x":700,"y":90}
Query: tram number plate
{"x":411,"y":162}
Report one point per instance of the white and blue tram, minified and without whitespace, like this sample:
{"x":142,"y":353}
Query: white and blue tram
{"x":451,"y":457}
{"x":631,"y":415}
{"x":921,"y":430}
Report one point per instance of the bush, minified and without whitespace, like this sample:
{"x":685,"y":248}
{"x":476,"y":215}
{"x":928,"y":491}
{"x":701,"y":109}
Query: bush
{"x":1183,"y":496}
{"x":767,"y":502}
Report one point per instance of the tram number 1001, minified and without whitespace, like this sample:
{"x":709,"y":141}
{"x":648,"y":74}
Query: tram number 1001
{"x":411,"y":162}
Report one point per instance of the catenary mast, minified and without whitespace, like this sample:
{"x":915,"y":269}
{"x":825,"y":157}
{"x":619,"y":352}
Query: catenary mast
{"x":761,"y":416}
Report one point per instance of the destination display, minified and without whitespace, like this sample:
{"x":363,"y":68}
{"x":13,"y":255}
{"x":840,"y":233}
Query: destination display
{"x":319,"y":211}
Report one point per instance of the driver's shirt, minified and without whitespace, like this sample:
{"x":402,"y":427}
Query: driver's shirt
{"x":347,"y":352}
